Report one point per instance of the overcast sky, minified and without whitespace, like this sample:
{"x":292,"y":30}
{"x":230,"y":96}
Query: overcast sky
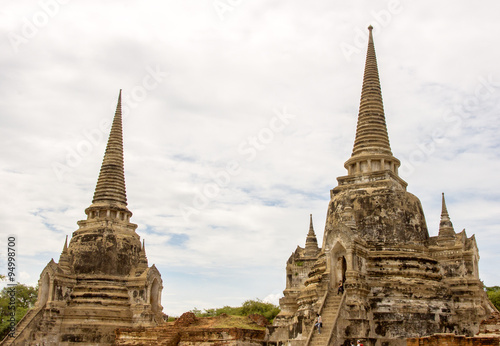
{"x":238,"y":117}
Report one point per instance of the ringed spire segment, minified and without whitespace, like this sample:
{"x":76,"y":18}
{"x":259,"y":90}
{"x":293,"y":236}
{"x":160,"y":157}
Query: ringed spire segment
{"x":371,"y":131}
{"x":110,"y":188}
{"x":371,"y":154}
{"x":445,"y":225}
{"x":311,"y":248}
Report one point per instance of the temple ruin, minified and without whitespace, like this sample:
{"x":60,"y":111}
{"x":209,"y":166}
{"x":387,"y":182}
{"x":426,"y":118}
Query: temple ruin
{"x":399,"y":282}
{"x":102,"y":280}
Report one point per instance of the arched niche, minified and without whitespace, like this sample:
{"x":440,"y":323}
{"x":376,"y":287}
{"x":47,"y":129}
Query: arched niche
{"x":338,"y":264}
{"x":44,"y":290}
{"x":154,"y":296}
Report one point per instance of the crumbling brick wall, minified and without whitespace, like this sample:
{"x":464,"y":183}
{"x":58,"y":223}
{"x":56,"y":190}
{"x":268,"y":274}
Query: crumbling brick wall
{"x":453,"y":340}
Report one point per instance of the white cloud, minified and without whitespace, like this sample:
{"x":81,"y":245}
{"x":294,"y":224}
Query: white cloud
{"x":225,"y":79}
{"x":273,"y":298}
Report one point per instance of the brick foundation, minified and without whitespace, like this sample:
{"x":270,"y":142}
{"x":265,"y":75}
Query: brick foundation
{"x":454,"y":340}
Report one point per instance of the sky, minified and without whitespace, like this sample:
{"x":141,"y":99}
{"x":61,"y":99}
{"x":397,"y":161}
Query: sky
{"x":238,"y":118}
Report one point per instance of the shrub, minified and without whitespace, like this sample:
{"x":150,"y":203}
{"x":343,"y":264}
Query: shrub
{"x":249,"y":307}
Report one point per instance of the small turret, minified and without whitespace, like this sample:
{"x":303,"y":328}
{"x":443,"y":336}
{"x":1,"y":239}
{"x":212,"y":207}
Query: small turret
{"x":64,"y":261}
{"x":445,"y":225}
{"x":311,"y":241}
{"x":143,"y":260}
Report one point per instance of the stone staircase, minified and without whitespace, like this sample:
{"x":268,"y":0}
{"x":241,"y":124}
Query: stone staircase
{"x":21,"y":325}
{"x":328,"y":314}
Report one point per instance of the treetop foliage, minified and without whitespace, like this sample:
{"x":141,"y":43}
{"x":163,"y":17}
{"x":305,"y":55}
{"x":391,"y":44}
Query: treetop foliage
{"x":494,"y":295}
{"x":249,"y":307}
{"x":25,"y":299}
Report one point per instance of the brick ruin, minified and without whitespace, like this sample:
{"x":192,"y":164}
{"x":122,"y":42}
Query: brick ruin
{"x":447,"y":339}
{"x":190,"y":330}
{"x":102,"y":280}
{"x":399,"y":282}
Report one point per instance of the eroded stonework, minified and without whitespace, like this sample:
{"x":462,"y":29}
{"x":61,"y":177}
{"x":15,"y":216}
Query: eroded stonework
{"x":189,"y":330}
{"x":399,"y":282}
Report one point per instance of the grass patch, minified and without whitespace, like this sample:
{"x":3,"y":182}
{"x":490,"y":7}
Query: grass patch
{"x":242,"y":322}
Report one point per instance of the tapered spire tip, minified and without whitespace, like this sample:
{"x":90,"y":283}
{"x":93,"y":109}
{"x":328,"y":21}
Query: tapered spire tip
{"x":311,"y":227}
{"x":311,"y":241}
{"x":110,"y":188}
{"x":445,"y":224}
{"x":65,"y":248}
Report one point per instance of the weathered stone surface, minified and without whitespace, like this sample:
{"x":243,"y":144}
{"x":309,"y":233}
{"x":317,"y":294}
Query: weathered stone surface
{"x":185,"y":320}
{"x":259,"y":320}
{"x":381,"y":215}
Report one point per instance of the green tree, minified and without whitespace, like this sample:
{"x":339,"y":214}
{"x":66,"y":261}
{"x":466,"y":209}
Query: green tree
{"x":267,"y":310}
{"x":494,"y":295}
{"x":25,"y":298}
{"x":249,"y":307}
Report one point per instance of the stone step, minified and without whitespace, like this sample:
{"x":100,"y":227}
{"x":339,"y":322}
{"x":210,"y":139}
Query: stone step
{"x":98,"y":301}
{"x":105,"y":295}
{"x":104,"y":288}
{"x":100,"y":283}
{"x":326,"y":312}
{"x":330,"y":311}
{"x":69,"y":324}
{"x":100,"y":288}
{"x":319,"y":340}
{"x":91,"y":310}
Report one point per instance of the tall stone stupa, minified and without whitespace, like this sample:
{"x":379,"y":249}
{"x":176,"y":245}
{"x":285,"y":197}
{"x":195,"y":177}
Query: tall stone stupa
{"x":102,"y":280}
{"x":399,"y":282}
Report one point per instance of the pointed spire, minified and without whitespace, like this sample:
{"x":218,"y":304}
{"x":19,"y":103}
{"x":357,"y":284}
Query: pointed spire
{"x":444,"y":210}
{"x":372,"y":150}
{"x":371,"y":132}
{"x":311,"y":228}
{"x":64,"y":262}
{"x":110,"y":188}
{"x":445,"y":225}
{"x":143,"y":260}
{"x":311,"y":241}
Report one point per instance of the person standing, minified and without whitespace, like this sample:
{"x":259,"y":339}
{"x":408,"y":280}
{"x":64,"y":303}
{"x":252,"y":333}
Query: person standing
{"x":319,"y":323}
{"x":341,"y":288}
{"x":359,"y":343}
